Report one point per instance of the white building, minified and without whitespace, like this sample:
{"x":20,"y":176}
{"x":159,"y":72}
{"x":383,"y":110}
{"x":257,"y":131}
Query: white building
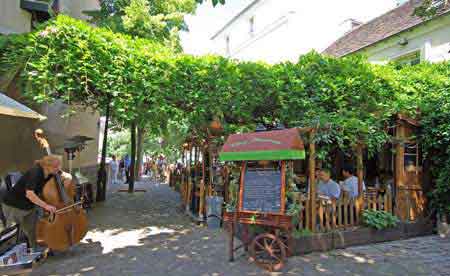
{"x":255,"y":31}
{"x":400,"y":36}
{"x":18,"y":16}
{"x":280,"y":30}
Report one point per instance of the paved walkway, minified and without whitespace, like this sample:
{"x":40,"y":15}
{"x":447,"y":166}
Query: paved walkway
{"x":146,"y":234}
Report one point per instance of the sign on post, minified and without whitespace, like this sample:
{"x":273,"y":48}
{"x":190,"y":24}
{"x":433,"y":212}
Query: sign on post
{"x":262,"y":191}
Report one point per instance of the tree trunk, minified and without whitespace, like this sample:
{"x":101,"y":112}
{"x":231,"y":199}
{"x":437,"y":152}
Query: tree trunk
{"x":133,"y":157}
{"x":140,"y":149}
{"x":101,"y":175}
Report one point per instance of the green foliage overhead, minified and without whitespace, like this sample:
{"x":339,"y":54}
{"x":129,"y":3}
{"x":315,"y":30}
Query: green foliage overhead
{"x":74,"y":62}
{"x":159,"y":20}
{"x":174,"y":95}
{"x":214,"y":2}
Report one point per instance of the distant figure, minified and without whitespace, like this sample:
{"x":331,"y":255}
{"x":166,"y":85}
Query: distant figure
{"x":114,"y":165}
{"x":161,"y":164}
{"x":40,"y":137}
{"x":154,"y":170}
{"x":121,"y":169}
{"x":127,"y":164}
{"x":326,"y":186}
{"x":350,"y":184}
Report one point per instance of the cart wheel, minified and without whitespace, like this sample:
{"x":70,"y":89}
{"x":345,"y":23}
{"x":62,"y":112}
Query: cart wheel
{"x":268,"y":252}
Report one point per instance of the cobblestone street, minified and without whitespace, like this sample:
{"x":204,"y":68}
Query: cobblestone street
{"x":145,"y":233}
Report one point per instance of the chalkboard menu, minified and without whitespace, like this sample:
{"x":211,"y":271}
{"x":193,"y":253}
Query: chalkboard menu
{"x":262,"y":191}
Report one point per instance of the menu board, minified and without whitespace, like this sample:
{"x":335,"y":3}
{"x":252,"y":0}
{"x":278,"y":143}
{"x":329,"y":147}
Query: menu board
{"x":262,"y":191}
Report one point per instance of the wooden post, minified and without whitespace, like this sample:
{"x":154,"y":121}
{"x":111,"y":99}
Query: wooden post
{"x":360,"y":174}
{"x":226,"y":179}
{"x":241,"y":188}
{"x":312,"y":180}
{"x":235,"y":214}
{"x":360,"y":169}
{"x":183,"y":177}
{"x":210,"y":169}
{"x":283,"y":187}
{"x":400,"y":172}
{"x":202,"y":200}
{"x":195,"y":180}
{"x":189,"y":178}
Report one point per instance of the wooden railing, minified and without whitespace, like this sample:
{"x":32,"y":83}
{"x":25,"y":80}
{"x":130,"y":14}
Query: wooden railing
{"x":376,"y":201}
{"x":340,"y":214}
{"x":336,"y":214}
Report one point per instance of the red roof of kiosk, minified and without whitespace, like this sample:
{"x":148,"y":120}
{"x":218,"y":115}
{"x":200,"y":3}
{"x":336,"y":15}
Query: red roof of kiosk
{"x":267,"y":145}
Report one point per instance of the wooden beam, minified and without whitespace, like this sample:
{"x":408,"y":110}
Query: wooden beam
{"x":226,"y":176}
{"x":360,"y":175}
{"x":283,"y":187}
{"x":241,"y":188}
{"x":312,"y":180}
{"x":189,"y":179}
{"x":202,"y":187}
{"x":400,"y":172}
{"x":210,"y":169}
{"x":359,"y":168}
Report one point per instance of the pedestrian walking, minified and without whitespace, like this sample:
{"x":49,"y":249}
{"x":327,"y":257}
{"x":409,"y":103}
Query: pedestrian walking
{"x":114,"y":166}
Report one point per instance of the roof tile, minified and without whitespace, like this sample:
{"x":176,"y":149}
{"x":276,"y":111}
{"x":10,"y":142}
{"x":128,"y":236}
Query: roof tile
{"x":380,"y":28}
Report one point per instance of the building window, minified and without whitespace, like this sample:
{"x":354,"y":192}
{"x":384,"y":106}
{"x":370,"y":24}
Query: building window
{"x":251,"y":22}
{"x":227,"y":41}
{"x":408,"y":59}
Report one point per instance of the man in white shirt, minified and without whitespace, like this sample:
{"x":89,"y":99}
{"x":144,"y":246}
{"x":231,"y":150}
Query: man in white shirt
{"x":351,"y":182}
{"x":114,"y":165}
{"x":326,"y":186}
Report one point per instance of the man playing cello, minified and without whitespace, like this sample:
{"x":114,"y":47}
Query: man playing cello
{"x":20,"y":203}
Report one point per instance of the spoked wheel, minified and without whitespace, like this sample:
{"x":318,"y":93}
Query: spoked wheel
{"x":268,"y":252}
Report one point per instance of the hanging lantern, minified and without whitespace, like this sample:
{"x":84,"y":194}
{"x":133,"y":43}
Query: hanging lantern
{"x":215,"y":127}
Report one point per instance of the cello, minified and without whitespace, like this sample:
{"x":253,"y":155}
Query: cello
{"x":68,"y":225}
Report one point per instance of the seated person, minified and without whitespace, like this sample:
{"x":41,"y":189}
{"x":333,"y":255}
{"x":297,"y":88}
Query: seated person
{"x":350,"y":184}
{"x":326,"y":186}
{"x":386,"y":182}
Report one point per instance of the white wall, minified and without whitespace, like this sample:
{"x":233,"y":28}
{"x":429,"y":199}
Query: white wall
{"x":285,"y":29}
{"x":12,"y":18}
{"x":275,"y":35}
{"x":75,"y":8}
{"x":432,"y":39}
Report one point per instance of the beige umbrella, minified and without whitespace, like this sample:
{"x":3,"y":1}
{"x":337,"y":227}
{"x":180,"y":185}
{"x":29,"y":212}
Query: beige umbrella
{"x":11,"y":107}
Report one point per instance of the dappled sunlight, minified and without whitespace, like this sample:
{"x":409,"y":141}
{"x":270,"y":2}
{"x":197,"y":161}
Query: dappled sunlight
{"x":356,"y":258}
{"x":183,"y":256}
{"x":89,"y":268}
{"x":118,"y":238}
{"x":305,"y":259}
{"x":320,"y":268}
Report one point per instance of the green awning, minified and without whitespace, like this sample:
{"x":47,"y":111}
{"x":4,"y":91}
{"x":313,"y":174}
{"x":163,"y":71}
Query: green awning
{"x":267,"y":145}
{"x":263,"y":155}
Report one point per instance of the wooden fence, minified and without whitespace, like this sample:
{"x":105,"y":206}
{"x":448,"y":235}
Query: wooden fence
{"x":340,"y":214}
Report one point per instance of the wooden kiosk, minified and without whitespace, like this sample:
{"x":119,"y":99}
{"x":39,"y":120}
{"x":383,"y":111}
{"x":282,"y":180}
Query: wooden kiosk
{"x":261,"y":198}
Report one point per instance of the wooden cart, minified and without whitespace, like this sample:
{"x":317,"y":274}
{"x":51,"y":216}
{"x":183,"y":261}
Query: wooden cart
{"x":261,"y":199}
